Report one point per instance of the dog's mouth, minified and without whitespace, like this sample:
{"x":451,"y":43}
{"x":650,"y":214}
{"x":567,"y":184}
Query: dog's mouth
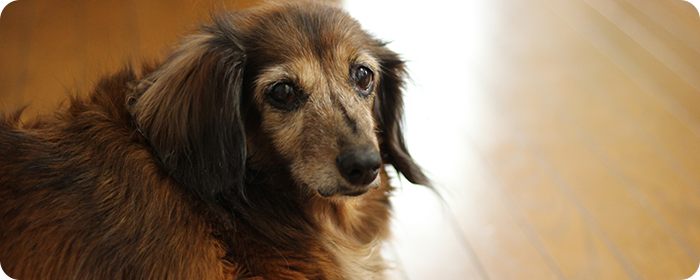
{"x":343,"y":192}
{"x":357,"y":193}
{"x":348,"y":191}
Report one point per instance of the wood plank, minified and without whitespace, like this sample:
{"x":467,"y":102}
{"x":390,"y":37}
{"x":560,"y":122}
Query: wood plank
{"x":670,"y":30}
{"x":668,"y":68}
{"x":689,"y":7}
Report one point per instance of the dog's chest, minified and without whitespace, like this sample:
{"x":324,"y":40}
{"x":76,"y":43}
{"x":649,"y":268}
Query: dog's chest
{"x":359,"y":262}
{"x":356,"y":259}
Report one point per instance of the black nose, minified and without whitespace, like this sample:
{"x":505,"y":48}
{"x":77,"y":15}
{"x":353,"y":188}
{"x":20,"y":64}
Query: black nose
{"x":359,"y":165}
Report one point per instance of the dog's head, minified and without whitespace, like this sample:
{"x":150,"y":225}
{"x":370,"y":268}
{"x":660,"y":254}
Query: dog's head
{"x":297,"y":87}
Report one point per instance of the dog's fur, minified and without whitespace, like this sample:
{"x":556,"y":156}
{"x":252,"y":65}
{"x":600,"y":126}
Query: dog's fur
{"x":187,"y":169}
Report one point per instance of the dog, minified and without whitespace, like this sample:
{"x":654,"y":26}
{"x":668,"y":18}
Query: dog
{"x":257,"y":150}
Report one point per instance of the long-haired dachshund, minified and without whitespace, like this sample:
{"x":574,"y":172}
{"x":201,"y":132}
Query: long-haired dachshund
{"x":256,"y":150}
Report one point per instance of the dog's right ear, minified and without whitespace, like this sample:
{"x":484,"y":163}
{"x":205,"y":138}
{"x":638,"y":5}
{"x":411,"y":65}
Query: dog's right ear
{"x":189,"y":112}
{"x":388,"y":112}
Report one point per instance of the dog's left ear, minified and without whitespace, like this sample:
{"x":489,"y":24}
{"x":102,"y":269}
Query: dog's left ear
{"x":189,"y":112}
{"x":388,"y":112}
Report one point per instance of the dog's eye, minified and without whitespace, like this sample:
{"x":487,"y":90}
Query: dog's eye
{"x":283,"y":93}
{"x":364,"y":79}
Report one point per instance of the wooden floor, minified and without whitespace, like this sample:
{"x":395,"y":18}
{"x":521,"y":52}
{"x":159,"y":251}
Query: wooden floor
{"x":563,"y":135}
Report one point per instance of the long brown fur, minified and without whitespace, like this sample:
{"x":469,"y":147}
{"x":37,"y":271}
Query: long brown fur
{"x":187,"y":170}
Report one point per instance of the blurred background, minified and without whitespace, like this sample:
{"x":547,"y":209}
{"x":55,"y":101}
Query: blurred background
{"x":562,"y":135}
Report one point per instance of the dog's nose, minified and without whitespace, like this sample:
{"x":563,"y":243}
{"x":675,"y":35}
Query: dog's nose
{"x":359,"y":165}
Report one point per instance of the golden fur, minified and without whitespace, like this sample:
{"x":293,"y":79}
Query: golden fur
{"x":256,"y":150}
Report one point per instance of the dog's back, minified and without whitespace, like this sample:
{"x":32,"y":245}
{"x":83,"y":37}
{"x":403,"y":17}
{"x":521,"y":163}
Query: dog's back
{"x":83,"y":198}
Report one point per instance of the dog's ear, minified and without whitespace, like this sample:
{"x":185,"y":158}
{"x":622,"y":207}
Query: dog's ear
{"x":388,"y":112}
{"x":189,"y":112}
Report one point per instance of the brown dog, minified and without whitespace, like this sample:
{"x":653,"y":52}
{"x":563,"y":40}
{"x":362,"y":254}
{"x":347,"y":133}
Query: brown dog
{"x":257,"y":149}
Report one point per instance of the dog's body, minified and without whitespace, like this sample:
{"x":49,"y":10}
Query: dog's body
{"x":257,"y":149}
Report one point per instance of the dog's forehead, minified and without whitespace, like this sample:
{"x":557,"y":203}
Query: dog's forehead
{"x":293,"y":31}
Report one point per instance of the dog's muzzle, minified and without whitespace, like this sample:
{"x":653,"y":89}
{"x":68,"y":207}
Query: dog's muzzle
{"x":359,"y":165}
